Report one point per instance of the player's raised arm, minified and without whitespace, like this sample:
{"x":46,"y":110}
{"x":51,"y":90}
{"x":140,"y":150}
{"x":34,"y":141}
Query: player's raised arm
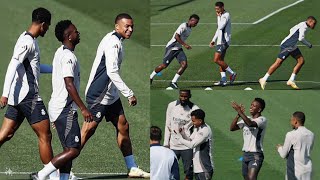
{"x":238,"y":108}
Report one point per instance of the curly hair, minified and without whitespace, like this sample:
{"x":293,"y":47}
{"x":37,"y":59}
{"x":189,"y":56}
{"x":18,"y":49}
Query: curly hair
{"x":60,"y":28}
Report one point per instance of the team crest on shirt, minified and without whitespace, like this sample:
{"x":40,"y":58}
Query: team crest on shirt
{"x":98,"y":115}
{"x":116,"y":46}
{"x":43,"y":112}
{"x":76,"y":139}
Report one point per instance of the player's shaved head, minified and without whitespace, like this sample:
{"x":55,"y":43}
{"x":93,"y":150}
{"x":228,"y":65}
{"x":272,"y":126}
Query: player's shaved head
{"x":122,"y":16}
{"x":299,"y":116}
{"x":155,"y":133}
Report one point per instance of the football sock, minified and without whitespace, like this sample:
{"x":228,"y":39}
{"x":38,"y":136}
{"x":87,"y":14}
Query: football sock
{"x":54,"y":175}
{"x":265,"y":77}
{"x":64,"y":176}
{"x":229,"y":70}
{"x":48,"y":169}
{"x":175,"y":79}
{"x":223,"y":76}
{"x":130,"y":161}
{"x":292,"y":77}
{"x":152,"y":74}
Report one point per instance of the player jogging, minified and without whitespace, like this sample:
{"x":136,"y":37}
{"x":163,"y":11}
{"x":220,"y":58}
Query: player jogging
{"x":222,"y":39}
{"x":289,"y":47}
{"x":174,"y":50}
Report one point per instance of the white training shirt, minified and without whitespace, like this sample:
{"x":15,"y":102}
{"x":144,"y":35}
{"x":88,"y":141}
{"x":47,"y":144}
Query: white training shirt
{"x":23,"y":72}
{"x":161,"y":162}
{"x":223,"y":32}
{"x":105,"y":81}
{"x":301,"y":141}
{"x":65,"y":64}
{"x":297,"y":33}
{"x":178,"y":116}
{"x":253,"y":136}
{"x":201,"y":143}
{"x":184,"y":31}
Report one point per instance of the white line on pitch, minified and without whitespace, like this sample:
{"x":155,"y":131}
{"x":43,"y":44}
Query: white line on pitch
{"x":277,"y":11}
{"x":175,"y":23}
{"x":207,"y":81}
{"x":238,"y":45}
{"x":246,"y":23}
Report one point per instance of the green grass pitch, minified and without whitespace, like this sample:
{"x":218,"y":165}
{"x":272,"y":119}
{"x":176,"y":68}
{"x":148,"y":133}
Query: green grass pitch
{"x":227,"y":145}
{"x":93,"y":19}
{"x":254,"y":47}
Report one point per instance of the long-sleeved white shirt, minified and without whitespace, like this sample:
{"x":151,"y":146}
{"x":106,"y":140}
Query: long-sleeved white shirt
{"x":22,"y":77}
{"x":184,"y":31}
{"x":301,"y":142}
{"x":201,"y":143}
{"x":297,"y":33}
{"x":178,"y":116}
{"x":223,"y":32}
{"x":253,"y":136}
{"x":65,"y":64}
{"x":105,"y":80}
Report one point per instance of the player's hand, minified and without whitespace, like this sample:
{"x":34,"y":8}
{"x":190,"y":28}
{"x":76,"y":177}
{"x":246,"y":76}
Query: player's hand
{"x":243,"y":109}
{"x":132,"y":101}
{"x":277,"y":147}
{"x":218,"y":13}
{"x":187,"y":46}
{"x":86,"y":115}
{"x":236,"y":107}
{"x":3,"y":102}
{"x":211,"y":44}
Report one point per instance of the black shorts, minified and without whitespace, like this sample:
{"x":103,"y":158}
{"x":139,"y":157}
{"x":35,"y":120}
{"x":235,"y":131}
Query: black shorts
{"x":285,"y":52}
{"x":34,"y":111}
{"x":110,"y":112}
{"x":170,"y":54}
{"x":204,"y":175}
{"x":187,"y":156}
{"x":222,"y":49}
{"x":68,"y":128}
{"x":251,"y":160}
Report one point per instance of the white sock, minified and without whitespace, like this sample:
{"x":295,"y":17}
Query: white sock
{"x":292,"y":77}
{"x":152,"y":74}
{"x":175,"y":79}
{"x":64,"y":176}
{"x":265,"y":77}
{"x":229,"y":70}
{"x":54,"y":174}
{"x":48,"y":169}
{"x":223,"y":76}
{"x":130,"y":161}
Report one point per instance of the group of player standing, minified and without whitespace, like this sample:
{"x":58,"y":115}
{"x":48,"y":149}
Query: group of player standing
{"x":221,"y":41}
{"x":188,"y":137}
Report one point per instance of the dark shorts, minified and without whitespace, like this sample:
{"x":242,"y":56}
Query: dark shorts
{"x":186,"y":156}
{"x":222,"y":49}
{"x":110,"y":112}
{"x":34,"y":111}
{"x":68,"y":128}
{"x":204,"y":175}
{"x":170,"y":54}
{"x":251,"y":160}
{"x":285,"y":52}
